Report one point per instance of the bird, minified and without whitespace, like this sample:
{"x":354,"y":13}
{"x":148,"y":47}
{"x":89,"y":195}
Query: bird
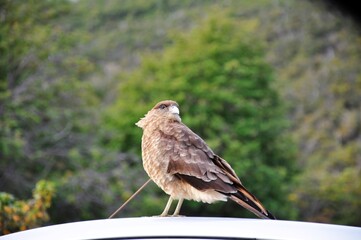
{"x":185,"y":167}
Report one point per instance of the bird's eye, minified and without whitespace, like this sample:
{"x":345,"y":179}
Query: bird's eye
{"x":162,"y":106}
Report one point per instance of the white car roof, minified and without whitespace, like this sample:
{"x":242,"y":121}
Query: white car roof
{"x":188,"y":228}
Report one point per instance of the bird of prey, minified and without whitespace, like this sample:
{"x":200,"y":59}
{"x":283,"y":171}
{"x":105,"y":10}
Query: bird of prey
{"x":183,"y":165}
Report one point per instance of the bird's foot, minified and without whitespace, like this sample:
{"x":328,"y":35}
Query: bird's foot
{"x":177,"y":215}
{"x":168,"y":215}
{"x":164,"y":215}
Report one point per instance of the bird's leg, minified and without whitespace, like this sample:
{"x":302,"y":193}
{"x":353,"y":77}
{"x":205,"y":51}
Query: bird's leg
{"x":166,"y":209}
{"x":178,"y":208}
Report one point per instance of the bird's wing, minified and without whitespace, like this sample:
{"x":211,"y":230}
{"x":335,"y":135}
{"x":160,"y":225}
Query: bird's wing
{"x":193,"y":161}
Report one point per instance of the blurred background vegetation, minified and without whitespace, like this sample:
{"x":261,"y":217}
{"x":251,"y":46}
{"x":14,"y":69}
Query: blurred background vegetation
{"x":273,"y":86}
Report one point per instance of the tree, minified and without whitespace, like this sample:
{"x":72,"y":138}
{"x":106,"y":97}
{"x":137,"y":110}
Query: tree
{"x":18,"y":215}
{"x":320,"y":79}
{"x":47,"y":109}
{"x":218,"y":75}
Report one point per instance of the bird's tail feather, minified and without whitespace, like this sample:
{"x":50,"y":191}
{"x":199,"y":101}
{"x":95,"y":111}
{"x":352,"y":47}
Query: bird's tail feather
{"x":247,"y":200}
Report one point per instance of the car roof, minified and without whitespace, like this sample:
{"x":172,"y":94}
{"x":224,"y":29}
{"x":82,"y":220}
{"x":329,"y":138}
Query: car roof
{"x":188,"y":228}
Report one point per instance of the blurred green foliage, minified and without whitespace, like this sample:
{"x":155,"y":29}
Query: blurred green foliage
{"x":219,"y":76}
{"x":321,"y":81}
{"x":48,"y":110}
{"x":265,"y":83}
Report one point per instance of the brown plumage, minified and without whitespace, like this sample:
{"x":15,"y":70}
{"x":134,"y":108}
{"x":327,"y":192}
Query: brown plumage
{"x":183,"y":165}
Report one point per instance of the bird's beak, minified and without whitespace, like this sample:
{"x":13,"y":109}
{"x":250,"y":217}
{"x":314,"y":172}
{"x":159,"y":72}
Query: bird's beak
{"x":174,"y":109}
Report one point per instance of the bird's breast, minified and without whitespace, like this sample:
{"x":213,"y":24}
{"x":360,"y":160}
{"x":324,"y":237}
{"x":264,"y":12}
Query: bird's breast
{"x":156,"y":159}
{"x":157,"y":150}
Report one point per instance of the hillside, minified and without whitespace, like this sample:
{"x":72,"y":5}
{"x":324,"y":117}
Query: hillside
{"x":63,"y":66}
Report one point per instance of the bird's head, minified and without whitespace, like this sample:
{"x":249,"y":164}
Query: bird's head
{"x":165,"y":110}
